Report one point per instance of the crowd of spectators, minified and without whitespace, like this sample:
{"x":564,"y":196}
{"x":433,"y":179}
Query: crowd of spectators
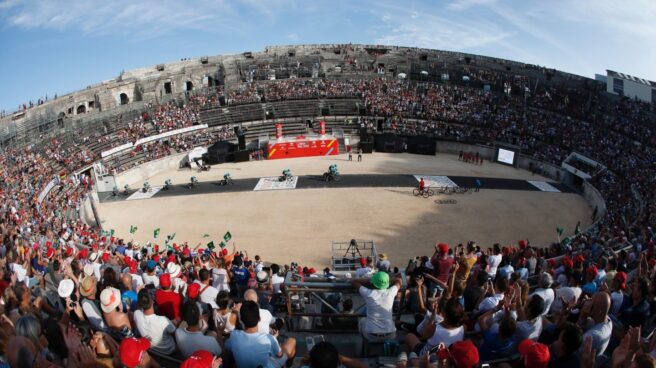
{"x":73,"y":296}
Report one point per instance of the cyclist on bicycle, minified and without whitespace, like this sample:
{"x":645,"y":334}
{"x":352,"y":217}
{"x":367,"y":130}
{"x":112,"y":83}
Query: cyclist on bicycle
{"x":287,"y":173}
{"x":194,"y":180}
{"x":332,"y":169}
{"x":168,"y":182}
{"x":422,"y":184}
{"x":226,"y":176}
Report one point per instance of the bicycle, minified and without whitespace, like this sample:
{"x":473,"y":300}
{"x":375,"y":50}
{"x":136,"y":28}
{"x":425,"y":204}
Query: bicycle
{"x":287,"y":178}
{"x":426,"y":192}
{"x":328,"y":176}
{"x":227,"y":181}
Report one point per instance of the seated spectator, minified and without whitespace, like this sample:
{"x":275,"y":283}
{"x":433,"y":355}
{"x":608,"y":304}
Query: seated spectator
{"x":266,"y":318}
{"x":446,"y":332}
{"x":534,"y":354}
{"x":618,"y":285}
{"x":545,"y":291}
{"x":590,"y":286}
{"x":133,"y":353}
{"x":383,"y":263}
{"x":202,"y":359}
{"x":529,"y":318}
{"x":157,"y":329}
{"x":325,"y":355}
{"x":189,"y":336}
{"x":90,"y":304}
{"x":128,"y":295}
{"x":116,"y":319}
{"x":498,"y":342}
{"x":493,"y":295}
{"x":366,"y":268}
{"x":474,"y":290}
{"x":569,"y":293}
{"x":168,"y":302}
{"x":564,"y":351}
{"x":463,"y":354}
{"x":639,"y":310}
{"x":277,"y":281}
{"x":150,"y":277}
{"x":252,"y":348}
{"x":378,"y":325}
{"x":595,"y":322}
{"x":264,"y":290}
{"x":226,"y":315}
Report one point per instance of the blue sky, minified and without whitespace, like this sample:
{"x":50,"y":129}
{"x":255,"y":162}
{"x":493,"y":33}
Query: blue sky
{"x":56,"y":46}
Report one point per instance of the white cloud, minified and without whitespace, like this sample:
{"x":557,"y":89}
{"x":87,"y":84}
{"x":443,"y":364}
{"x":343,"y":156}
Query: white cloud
{"x":460,"y":5}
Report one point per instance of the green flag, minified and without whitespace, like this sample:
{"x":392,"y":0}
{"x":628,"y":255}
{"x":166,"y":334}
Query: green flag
{"x":227,"y":236}
{"x":222,"y":245}
{"x":156,"y":233}
{"x":133,"y":229}
{"x":560,"y":230}
{"x":567,"y":241}
{"x":111,"y":232}
{"x":210,"y":245}
{"x":206,"y":235}
{"x":577,"y":231}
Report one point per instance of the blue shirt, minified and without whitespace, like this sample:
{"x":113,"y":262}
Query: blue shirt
{"x":252,"y":349}
{"x":130,"y":296}
{"x":241,"y":275}
{"x":493,"y":348}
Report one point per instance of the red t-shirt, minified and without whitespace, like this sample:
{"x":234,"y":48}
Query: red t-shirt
{"x":442,"y":267}
{"x":168,"y":304}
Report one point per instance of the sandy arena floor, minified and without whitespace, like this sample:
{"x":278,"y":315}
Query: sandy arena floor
{"x":299,"y":225}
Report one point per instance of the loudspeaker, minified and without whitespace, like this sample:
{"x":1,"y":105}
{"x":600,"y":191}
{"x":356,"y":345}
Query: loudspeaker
{"x":242,"y":142}
{"x":242,"y":156}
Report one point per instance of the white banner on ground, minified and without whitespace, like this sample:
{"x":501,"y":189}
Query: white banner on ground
{"x":114,"y":150}
{"x":169,"y":133}
{"x":436,"y":181}
{"x":139,"y":194}
{"x":543,"y":186}
{"x":273,"y":183}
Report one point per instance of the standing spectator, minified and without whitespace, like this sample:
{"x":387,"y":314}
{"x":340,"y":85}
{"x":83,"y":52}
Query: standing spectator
{"x":378,"y":325}
{"x":266,"y":318}
{"x":90,"y":304}
{"x":534,"y":354}
{"x":220,"y":278}
{"x":207,"y":292}
{"x":447,"y":332}
{"x":383,"y":263}
{"x":133,"y":353}
{"x":545,"y":291}
{"x":252,"y":348}
{"x":494,"y":260}
{"x":595,"y":322}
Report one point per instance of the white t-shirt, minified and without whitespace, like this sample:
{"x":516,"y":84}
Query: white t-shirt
{"x":493,"y":263}
{"x":208,"y":294}
{"x":266,"y":319}
{"x":616,"y":300}
{"x":189,"y":342}
{"x":220,"y":279}
{"x":177,"y":282}
{"x":600,"y":333}
{"x":93,"y":314}
{"x":548,"y":296}
{"x":567,"y":293}
{"x":136,"y":281}
{"x":158,"y":329}
{"x":363,"y":272}
{"x":379,"y":309}
{"x":276,"y":281}
{"x":529,"y":329}
{"x":445,"y":336}
{"x":148,"y":279}
{"x":20,"y":271}
{"x":490,"y":302}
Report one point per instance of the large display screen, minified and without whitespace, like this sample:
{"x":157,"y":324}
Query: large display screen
{"x":505,"y":156}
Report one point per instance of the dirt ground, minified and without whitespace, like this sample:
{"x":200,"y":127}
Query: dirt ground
{"x":299,"y":225}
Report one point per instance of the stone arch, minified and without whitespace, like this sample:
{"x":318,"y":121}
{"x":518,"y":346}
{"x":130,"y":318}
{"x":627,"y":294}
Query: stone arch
{"x":82,"y":109}
{"x":189,"y":86}
{"x":124,"y":99}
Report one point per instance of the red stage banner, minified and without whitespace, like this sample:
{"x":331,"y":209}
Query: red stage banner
{"x":304,"y":148}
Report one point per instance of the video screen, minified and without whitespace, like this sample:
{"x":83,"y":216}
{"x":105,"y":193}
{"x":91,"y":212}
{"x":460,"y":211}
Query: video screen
{"x":505,"y":156}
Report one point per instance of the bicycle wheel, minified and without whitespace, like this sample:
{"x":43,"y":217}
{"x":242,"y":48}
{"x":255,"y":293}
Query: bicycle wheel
{"x":416,"y":192}
{"x":425,"y":194}
{"x":430,"y":192}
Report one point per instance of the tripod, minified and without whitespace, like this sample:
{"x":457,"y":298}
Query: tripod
{"x":353,"y":250}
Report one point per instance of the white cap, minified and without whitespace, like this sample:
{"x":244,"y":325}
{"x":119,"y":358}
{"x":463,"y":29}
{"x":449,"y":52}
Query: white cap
{"x":65,"y":288}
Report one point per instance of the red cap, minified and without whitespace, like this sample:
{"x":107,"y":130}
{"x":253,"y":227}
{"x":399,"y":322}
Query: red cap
{"x":185,"y":252}
{"x":312,"y":271}
{"x":69,"y":251}
{"x":50,"y":253}
{"x":568,"y":263}
{"x":464,"y":354}
{"x":534,"y":354}
{"x":94,"y":246}
{"x":224,"y":252}
{"x":592,"y":270}
{"x":48,"y":244}
{"x":165,"y":280}
{"x":199,"y":359}
{"x":523,"y":244}
{"x":620,"y":278}
{"x":551,"y":262}
{"x":127,"y":259}
{"x":105,"y":257}
{"x":171,"y":258}
{"x":652,"y":262}
{"x":363,"y":261}
{"x":443,"y":248}
{"x":176,"y":247}
{"x":193,"y":290}
{"x":156,"y":247}
{"x":505,"y":251}
{"x":579,"y":259}
{"x":84,"y":253}
{"x":131,"y":351}
{"x":133,"y":267}
{"x":156,"y":258}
